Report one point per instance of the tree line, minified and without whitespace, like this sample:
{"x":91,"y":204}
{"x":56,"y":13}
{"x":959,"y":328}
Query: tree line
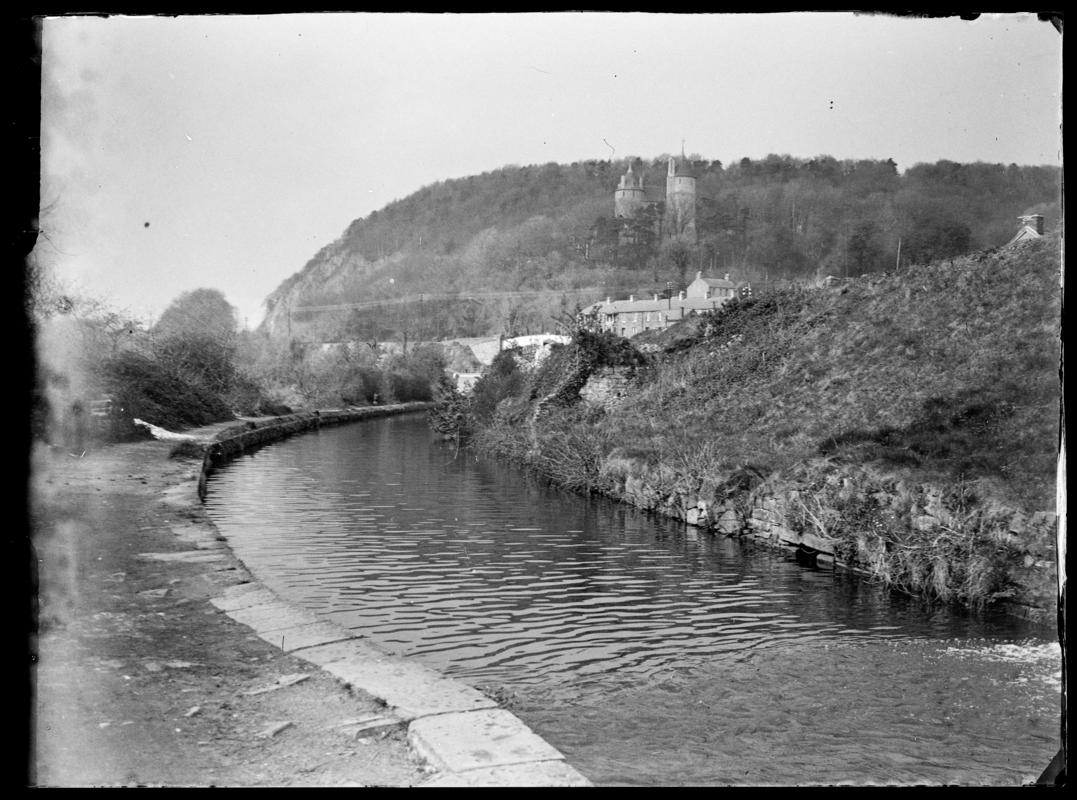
{"x":551,"y":227}
{"x":99,"y":369}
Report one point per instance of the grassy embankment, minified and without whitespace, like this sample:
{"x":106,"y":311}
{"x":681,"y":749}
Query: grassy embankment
{"x":909,"y":421}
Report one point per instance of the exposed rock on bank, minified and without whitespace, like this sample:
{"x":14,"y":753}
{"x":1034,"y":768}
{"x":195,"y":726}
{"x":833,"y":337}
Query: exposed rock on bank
{"x":865,"y":520}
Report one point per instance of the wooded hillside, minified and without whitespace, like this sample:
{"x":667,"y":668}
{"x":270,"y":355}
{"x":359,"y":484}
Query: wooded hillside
{"x":547,"y":232}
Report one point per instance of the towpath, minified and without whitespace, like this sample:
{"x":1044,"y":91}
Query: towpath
{"x":140,"y":680}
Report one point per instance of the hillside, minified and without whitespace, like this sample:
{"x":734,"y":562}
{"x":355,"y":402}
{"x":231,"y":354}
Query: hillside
{"x":543,"y":237}
{"x":908,"y":420}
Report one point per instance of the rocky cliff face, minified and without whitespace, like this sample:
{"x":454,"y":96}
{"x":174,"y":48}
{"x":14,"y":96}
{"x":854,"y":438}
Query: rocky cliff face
{"x":330,"y":272}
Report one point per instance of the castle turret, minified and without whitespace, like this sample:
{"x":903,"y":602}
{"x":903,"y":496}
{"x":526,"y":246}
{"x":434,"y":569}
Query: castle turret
{"x":680,"y":222}
{"x":629,"y":196}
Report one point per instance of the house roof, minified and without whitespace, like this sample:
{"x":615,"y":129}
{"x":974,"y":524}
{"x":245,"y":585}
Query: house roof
{"x":715,"y":283}
{"x":634,"y":306}
{"x":718,"y":283}
{"x":1027,"y":232}
{"x":682,"y":168}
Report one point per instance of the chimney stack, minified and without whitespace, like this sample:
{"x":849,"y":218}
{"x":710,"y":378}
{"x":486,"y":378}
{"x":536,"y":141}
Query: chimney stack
{"x":1034,"y":221}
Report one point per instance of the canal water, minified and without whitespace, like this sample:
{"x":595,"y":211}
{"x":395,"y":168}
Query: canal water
{"x":647,"y":652}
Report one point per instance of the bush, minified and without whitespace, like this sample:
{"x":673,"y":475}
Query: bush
{"x":961,"y":552}
{"x":360,"y":386}
{"x":450,"y":416}
{"x":246,"y":396}
{"x":142,"y":387}
{"x":199,"y":358}
{"x":502,"y":379}
{"x":404,"y":387}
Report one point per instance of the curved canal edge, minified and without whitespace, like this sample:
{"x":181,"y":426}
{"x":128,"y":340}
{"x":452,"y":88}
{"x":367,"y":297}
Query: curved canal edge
{"x":463,"y":734}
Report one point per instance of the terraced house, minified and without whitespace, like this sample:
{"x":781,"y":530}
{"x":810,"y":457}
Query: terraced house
{"x":632,"y":316}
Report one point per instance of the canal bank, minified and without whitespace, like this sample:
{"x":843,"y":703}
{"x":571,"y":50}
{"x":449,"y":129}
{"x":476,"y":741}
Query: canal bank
{"x":160,"y":661}
{"x":833,"y":514}
{"x":647,"y":651}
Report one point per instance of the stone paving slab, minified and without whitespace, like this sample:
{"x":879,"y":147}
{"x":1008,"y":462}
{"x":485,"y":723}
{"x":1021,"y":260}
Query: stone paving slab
{"x":536,"y":773}
{"x":303,"y":636}
{"x":273,"y":616}
{"x":196,"y":535}
{"x":478,"y":740}
{"x":410,"y":689}
{"x":188,"y":556}
{"x":243,"y":595}
{"x":180,"y":496}
{"x":357,"y":650}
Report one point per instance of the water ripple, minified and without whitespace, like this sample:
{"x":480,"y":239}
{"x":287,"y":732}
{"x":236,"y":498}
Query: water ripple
{"x":619,"y":632}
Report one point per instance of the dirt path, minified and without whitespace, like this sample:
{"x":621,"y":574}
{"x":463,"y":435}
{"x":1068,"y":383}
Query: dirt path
{"x":139,"y":680}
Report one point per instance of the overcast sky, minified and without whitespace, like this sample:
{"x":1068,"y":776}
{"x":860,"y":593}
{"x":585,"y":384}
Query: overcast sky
{"x":225,"y":151}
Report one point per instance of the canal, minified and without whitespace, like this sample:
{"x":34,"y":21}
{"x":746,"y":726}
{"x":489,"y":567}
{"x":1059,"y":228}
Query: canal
{"x":649,"y":653}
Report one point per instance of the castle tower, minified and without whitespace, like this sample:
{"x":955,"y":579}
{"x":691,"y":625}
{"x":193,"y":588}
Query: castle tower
{"x":629,"y":198}
{"x":680,"y":221}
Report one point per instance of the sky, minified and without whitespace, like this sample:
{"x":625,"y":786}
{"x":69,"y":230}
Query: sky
{"x":225,"y":151}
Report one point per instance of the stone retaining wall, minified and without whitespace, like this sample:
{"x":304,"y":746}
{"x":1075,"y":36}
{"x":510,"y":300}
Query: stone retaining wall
{"x":764,"y":512}
{"x":606,"y":387}
{"x":239,"y":438}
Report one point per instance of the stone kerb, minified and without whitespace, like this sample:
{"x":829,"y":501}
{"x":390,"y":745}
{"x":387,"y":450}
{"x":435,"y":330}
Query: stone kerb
{"x":459,"y":731}
{"x":239,"y":438}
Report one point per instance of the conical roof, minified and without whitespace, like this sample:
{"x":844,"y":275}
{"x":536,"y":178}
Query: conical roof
{"x":681,"y":167}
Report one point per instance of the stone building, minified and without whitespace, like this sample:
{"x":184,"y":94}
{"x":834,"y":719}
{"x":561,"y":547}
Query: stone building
{"x":1031,"y":228}
{"x":675,"y":220}
{"x":632,"y":316}
{"x":678,"y":221}
{"x":680,"y":218}
{"x":629,"y":199}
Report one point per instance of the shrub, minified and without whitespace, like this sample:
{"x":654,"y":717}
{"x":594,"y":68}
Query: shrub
{"x":503,"y":378}
{"x":199,"y":358}
{"x":960,"y":552}
{"x":404,"y":387}
{"x":144,"y":388}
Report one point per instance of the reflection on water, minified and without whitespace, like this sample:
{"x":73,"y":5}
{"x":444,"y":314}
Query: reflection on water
{"x":646,"y":651}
